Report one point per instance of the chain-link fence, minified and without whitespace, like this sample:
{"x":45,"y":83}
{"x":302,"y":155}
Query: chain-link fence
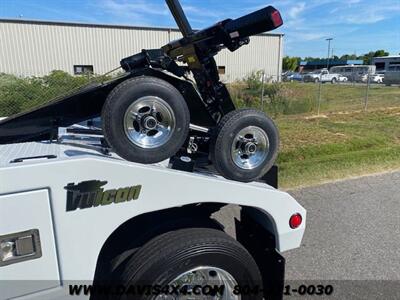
{"x":269,"y":93}
{"x":327,"y":131}
{"x":277,"y":97}
{"x":19,"y":94}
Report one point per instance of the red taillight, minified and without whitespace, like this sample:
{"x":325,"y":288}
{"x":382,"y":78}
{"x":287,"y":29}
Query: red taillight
{"x":295,"y":221}
{"x":276,"y":18}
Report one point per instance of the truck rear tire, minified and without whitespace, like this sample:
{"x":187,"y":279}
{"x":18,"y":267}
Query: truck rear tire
{"x":191,"y":257}
{"x":145,"y":120}
{"x":245,"y":145}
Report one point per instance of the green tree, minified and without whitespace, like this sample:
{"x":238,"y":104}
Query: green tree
{"x":309,"y":58}
{"x":290,"y":63}
{"x":348,"y":57}
{"x":367,"y":58}
{"x":19,"y":94}
{"x":381,"y":52}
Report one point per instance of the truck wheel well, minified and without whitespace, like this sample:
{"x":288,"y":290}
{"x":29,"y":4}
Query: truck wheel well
{"x":257,"y":236}
{"x":259,"y":239}
{"x":134,"y":233}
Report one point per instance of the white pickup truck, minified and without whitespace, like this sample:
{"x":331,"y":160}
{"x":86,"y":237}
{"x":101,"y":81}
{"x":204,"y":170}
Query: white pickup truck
{"x":75,"y":220}
{"x":321,"y":76}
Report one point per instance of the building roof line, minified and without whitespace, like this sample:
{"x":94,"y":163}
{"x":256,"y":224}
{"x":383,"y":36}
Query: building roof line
{"x":387,"y":57}
{"x":116,"y":26}
{"x":332,"y":61}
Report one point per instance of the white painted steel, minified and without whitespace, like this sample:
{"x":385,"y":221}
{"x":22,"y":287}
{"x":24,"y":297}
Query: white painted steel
{"x":80,"y":234}
{"x":21,"y":212}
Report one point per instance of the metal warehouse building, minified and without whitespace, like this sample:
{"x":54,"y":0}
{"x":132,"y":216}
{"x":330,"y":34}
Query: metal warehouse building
{"x":387,"y":63}
{"x":36,"y":48}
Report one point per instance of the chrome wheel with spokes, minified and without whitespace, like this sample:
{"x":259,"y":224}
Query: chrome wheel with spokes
{"x":149,"y":122}
{"x":204,"y":277}
{"x":245,"y":145}
{"x":198,"y":263}
{"x":145,"y":120}
{"x":250,"y":147}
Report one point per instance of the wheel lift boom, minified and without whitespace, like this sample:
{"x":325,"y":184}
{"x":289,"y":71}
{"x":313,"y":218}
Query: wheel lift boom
{"x":207,"y":102}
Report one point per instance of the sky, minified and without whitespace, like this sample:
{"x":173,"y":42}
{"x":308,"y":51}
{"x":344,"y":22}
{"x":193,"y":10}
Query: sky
{"x":356,"y":26}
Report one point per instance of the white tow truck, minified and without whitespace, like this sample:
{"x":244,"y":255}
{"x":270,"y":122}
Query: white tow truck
{"x":75,"y":218}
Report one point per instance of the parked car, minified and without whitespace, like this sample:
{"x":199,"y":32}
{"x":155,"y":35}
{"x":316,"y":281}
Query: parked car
{"x":292,"y":76}
{"x":321,"y":76}
{"x":342,"y":78}
{"x":374,"y":78}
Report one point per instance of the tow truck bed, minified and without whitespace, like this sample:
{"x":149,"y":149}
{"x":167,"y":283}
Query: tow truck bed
{"x":76,"y":198}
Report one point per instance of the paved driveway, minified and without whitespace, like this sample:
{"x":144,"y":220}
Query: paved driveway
{"x":352,"y":238}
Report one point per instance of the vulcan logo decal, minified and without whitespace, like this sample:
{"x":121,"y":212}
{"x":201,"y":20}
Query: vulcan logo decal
{"x":91,"y":194}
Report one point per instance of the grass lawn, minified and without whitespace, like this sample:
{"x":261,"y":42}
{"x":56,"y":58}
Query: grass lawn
{"x":343,"y":141}
{"x":345,"y":97}
{"x":337,"y":145}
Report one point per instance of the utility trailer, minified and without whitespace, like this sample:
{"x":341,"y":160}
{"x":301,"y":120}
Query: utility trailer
{"x":71,"y":213}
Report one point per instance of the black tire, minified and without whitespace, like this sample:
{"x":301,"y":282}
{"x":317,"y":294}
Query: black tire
{"x":316,"y":80}
{"x":333,"y":81}
{"x":127,"y":94}
{"x":164,"y":258}
{"x":224,"y":137}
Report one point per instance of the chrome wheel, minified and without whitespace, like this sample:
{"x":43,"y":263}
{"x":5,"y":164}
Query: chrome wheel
{"x":250,"y":148}
{"x":149,"y":122}
{"x":203,"y":277}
